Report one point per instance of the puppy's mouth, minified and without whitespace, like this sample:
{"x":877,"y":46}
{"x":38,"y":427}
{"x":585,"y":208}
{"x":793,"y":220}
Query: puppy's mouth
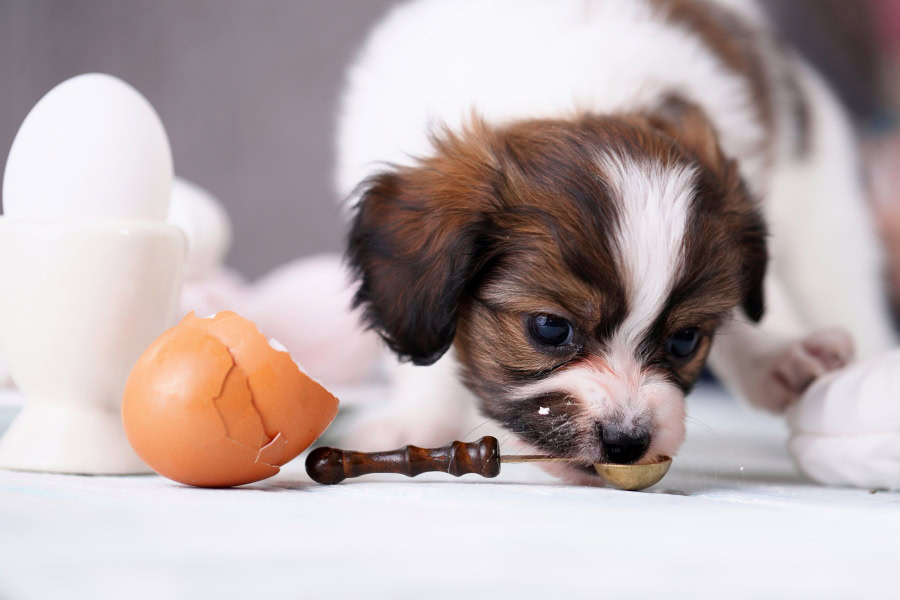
{"x":586,"y":469}
{"x":576,"y":473}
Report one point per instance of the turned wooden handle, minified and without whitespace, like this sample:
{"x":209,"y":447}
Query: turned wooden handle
{"x":331,"y":465}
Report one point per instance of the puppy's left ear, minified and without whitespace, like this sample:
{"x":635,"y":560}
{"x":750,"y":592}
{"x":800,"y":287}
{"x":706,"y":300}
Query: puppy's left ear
{"x":417,"y":240}
{"x":687,"y":124}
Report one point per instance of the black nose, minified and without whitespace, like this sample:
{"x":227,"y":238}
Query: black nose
{"x":624,"y":448}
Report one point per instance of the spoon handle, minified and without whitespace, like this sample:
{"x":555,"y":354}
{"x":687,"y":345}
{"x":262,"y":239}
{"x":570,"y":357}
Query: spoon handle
{"x":332,"y":465}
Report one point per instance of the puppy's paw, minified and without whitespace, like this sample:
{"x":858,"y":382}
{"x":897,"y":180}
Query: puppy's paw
{"x":833,"y":347}
{"x":802,"y":362}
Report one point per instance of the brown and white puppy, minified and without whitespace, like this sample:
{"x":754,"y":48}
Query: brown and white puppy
{"x":587,"y":208}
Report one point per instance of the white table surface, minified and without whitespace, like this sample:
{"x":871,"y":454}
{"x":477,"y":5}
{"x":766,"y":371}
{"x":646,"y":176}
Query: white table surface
{"x":733,"y":519}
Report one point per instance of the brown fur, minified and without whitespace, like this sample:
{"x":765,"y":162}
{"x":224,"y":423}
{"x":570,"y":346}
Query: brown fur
{"x":503,"y":223}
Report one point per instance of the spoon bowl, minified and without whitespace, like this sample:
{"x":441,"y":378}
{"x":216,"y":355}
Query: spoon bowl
{"x":634,"y":477}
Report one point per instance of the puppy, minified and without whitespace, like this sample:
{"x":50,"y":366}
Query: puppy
{"x":587,"y":199}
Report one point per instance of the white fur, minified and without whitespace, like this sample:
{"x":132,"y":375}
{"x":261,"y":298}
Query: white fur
{"x":433,"y":62}
{"x":826,"y":265}
{"x":653,"y":205}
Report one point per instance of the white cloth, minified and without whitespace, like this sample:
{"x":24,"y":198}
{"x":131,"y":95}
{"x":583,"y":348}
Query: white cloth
{"x":733,"y":519}
{"x":846,"y":428}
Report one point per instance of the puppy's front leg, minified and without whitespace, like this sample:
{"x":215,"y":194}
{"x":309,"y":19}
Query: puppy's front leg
{"x":771,"y":364}
{"x":427,"y":406}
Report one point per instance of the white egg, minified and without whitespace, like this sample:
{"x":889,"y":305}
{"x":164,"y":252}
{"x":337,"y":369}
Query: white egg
{"x":205,"y":223}
{"x":92,"y":147}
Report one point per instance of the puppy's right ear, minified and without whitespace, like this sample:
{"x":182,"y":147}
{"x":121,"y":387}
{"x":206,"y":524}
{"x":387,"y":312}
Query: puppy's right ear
{"x":417,"y":240}
{"x":687,"y":123}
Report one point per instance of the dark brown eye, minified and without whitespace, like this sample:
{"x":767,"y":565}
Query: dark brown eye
{"x":550,"y":330}
{"x":684,"y":343}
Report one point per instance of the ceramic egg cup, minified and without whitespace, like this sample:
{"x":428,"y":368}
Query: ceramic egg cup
{"x":81,"y":300}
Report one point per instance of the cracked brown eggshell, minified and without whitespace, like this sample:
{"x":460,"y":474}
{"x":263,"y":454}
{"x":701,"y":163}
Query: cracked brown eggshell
{"x":211,"y":403}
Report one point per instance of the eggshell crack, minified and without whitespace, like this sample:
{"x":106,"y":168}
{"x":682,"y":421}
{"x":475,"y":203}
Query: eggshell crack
{"x":243,"y":423}
{"x":281,"y":392}
{"x":239,"y":416}
{"x":273,"y":452}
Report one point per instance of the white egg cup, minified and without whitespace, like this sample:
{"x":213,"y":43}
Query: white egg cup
{"x":80,"y":302}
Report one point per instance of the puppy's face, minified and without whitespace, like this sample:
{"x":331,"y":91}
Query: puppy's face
{"x":580,"y":266}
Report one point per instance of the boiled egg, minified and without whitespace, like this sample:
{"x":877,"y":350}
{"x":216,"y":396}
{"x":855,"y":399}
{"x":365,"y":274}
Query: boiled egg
{"x":92,"y":147}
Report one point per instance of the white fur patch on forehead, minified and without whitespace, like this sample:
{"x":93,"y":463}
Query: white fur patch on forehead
{"x":653,"y":203}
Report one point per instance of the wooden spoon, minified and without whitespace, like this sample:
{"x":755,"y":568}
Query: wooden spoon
{"x":482,"y":457}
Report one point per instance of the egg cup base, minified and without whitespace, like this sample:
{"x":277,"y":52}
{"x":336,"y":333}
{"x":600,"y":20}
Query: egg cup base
{"x":53,"y":437}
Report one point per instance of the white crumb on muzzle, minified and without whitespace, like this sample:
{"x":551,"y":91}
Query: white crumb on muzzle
{"x":544,"y":410}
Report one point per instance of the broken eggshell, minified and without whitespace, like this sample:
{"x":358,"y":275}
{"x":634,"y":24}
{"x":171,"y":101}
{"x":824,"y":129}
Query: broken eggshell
{"x":212,"y":403}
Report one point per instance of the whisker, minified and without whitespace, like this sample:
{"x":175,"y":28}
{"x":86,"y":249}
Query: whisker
{"x":565,"y":421}
{"x":476,"y":428}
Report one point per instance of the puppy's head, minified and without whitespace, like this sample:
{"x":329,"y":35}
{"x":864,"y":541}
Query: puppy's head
{"x":580,"y":266}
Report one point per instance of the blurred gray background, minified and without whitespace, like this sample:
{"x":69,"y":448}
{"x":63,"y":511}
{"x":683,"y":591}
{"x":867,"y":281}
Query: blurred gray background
{"x":248,"y":88}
